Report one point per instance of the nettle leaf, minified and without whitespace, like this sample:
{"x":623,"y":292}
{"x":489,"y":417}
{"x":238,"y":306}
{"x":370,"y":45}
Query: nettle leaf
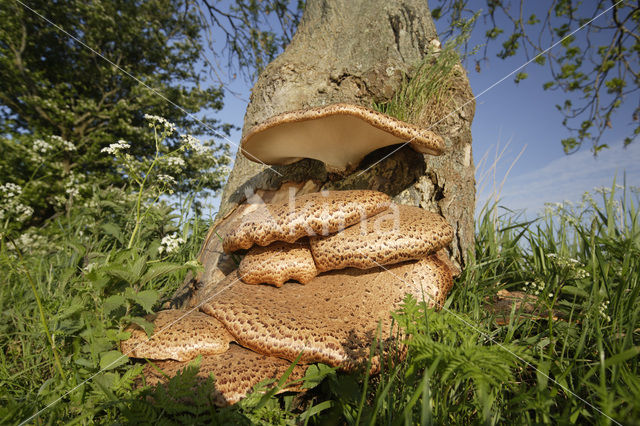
{"x":138,"y":268}
{"x":146,"y":299}
{"x":157,"y":270}
{"x":147,"y":326}
{"x":112,"y":359}
{"x":113,"y":230}
{"x":119,"y":272}
{"x":114,"y":302}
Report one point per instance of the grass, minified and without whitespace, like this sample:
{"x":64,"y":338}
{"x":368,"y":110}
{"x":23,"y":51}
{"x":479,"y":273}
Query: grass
{"x":427,"y":96}
{"x":462,"y":366}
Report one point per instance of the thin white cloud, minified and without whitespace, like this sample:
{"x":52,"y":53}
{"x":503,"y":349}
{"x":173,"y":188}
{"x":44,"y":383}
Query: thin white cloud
{"x":568,"y":177}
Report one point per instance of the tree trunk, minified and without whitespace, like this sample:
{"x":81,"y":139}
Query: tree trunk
{"x":354,"y":51}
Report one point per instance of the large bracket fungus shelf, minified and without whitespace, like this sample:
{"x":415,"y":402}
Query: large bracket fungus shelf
{"x":339,"y":135}
{"x":366,"y":254}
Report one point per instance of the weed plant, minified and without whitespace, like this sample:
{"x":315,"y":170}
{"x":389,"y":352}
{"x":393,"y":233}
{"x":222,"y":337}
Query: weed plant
{"x":576,"y":364}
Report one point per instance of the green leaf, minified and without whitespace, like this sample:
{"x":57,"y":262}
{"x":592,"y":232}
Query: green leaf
{"x":138,"y":268}
{"x":112,"y":303}
{"x":147,"y":326}
{"x":622,"y":356}
{"x":157,"y":270}
{"x":113,"y":230}
{"x":112,"y":359}
{"x":315,"y":374}
{"x":520,"y":76}
{"x":146,"y":299}
{"x":120,"y":272}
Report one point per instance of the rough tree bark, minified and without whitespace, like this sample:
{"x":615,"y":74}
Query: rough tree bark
{"x":354,"y":51}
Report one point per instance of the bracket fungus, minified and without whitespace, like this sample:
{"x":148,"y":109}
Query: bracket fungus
{"x":277,"y":263}
{"x":182,"y":336}
{"x":246,"y":332}
{"x":236,"y":372}
{"x":395,"y":235}
{"x":333,"y":318}
{"x":340,"y":135}
{"x":318,"y":213}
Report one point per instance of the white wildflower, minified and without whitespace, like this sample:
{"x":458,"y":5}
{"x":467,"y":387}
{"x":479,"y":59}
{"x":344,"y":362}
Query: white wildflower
{"x":602,"y":190}
{"x":175,"y":162}
{"x":64,"y":144}
{"x":11,"y":205}
{"x":167,"y":180}
{"x":161,"y":122}
{"x":193,"y":144}
{"x":10,"y":190}
{"x":603,"y":308}
{"x":41,"y":146}
{"x":170,"y":243}
{"x":72,"y":191}
{"x":116,"y":147}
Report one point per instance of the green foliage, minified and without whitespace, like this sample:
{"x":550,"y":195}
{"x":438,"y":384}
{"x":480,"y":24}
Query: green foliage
{"x":598,"y":73}
{"x":61,"y":103}
{"x":581,"y":262}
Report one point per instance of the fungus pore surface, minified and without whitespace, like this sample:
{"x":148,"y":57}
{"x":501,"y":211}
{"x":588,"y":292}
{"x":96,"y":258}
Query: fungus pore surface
{"x":339,"y":135}
{"x":318,"y":213}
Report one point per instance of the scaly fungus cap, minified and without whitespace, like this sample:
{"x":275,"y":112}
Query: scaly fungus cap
{"x":318,"y":213}
{"x":186,"y":336}
{"x":339,"y":135}
{"x":277,"y":263}
{"x":236,"y":372}
{"x":395,"y":235}
{"x":333,"y":318}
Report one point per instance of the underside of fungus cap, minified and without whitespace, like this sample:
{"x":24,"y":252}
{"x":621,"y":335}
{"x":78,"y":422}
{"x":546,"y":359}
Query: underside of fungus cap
{"x":400,"y":233}
{"x":318,"y":213}
{"x":333,"y":318}
{"x":339,"y":135}
{"x":277,"y":263}
{"x":178,"y":335}
{"x":236,"y":372}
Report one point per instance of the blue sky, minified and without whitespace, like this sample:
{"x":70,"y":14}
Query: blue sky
{"x":521,"y":124}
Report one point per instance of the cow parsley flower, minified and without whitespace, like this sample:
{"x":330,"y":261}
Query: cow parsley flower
{"x":170,"y":243}
{"x":161,"y":122}
{"x":64,"y":144}
{"x":193,"y":144}
{"x":167,"y":180}
{"x":41,"y":146}
{"x":175,"y":162}
{"x":116,"y":147}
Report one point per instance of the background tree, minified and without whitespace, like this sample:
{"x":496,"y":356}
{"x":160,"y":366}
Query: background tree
{"x":61,"y":103}
{"x":598,"y":74}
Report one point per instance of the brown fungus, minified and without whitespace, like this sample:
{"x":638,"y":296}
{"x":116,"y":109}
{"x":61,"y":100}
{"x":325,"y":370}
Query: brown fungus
{"x":318,"y":213}
{"x":340,"y":135}
{"x":277,"y":263}
{"x":395,"y":235}
{"x":235,"y":373}
{"x":333,"y":318}
{"x":178,"y":335}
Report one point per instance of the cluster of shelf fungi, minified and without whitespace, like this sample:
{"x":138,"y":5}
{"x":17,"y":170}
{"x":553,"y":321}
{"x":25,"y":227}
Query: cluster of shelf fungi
{"x":320,"y":273}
